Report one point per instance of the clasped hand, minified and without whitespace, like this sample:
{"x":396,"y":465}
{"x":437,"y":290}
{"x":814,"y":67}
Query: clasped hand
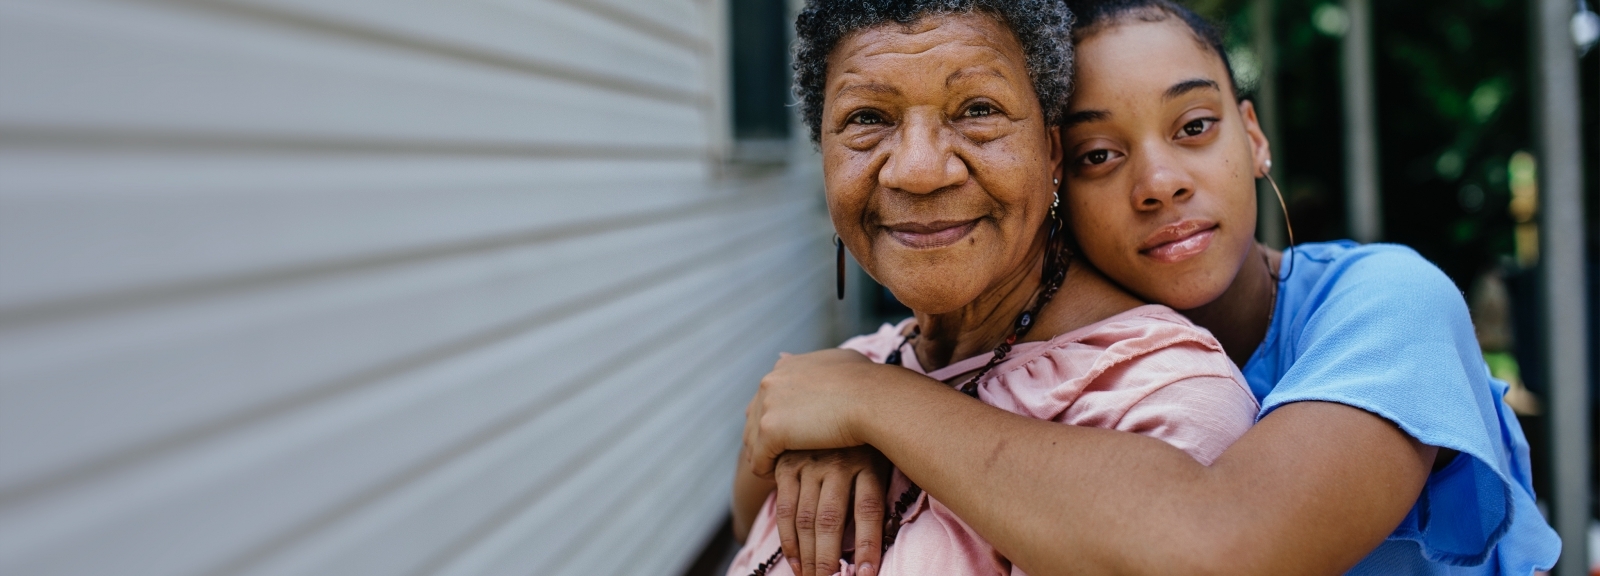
{"x":797,"y":431}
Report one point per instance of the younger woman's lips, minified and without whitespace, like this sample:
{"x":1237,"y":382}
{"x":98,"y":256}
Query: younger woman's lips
{"x":1182,"y":248}
{"x":935,"y":235}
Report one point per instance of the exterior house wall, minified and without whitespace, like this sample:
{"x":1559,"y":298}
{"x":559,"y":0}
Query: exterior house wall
{"x":401,"y":287}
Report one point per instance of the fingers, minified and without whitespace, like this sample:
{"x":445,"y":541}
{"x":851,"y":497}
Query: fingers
{"x":869,"y":510}
{"x":805,"y":519}
{"x":833,"y":505}
{"x":785,"y":502}
{"x":760,"y":461}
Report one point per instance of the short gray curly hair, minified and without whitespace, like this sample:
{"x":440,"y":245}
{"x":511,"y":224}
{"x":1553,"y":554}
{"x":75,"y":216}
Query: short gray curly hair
{"x":1042,"y":27}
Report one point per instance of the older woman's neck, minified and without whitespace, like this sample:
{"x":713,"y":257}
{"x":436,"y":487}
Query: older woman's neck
{"x":980,"y":325}
{"x":1085,"y":297}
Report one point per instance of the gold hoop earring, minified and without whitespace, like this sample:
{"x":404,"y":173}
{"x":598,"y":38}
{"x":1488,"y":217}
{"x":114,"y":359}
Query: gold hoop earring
{"x":1286,"y":223}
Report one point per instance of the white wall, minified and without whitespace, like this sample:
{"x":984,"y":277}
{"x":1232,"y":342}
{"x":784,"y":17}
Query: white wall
{"x":400,"y":287}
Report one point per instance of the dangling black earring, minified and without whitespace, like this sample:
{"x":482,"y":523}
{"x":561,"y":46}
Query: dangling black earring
{"x":838,"y":270}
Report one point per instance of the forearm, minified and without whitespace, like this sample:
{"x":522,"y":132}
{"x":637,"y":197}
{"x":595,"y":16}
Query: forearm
{"x":1052,"y":498}
{"x":1057,"y":499}
{"x":749,"y":494}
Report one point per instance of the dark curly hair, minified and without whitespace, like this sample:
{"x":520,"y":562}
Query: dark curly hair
{"x":1096,"y":15}
{"x":1042,"y":27}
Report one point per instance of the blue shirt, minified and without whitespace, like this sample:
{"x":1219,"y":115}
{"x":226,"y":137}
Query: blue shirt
{"x":1379,"y":328}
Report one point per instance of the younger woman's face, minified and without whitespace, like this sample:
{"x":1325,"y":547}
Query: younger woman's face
{"x":1160,"y":163}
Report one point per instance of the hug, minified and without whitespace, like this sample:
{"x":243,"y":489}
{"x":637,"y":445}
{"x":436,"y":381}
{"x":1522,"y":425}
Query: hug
{"x":1104,"y":372}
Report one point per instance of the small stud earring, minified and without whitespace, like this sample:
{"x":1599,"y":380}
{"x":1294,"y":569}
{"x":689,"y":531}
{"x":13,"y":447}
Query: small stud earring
{"x":1056,"y":181}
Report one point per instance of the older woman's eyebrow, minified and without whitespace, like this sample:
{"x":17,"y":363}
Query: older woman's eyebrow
{"x":1084,"y":117}
{"x":965,"y":73}
{"x":872,"y":88}
{"x":1188,"y":86}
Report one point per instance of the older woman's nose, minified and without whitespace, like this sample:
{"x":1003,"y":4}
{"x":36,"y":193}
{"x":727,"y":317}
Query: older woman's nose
{"x":1160,"y":181}
{"x":923,"y":159}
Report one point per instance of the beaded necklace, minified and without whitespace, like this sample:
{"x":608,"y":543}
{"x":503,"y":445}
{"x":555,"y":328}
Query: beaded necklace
{"x":1055,"y":273}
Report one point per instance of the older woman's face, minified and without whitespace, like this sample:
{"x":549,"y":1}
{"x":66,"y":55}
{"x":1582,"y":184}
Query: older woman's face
{"x":937,"y":159}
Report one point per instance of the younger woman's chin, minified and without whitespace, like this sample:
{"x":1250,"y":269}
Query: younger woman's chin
{"x":1187,"y":295}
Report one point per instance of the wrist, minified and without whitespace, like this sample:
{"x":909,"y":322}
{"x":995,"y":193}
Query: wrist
{"x":871,"y":400}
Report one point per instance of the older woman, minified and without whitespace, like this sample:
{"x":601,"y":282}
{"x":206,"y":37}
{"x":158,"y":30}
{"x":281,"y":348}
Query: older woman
{"x":941,"y":155}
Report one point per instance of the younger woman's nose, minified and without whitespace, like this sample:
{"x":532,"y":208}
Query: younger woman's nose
{"x":922,"y":159}
{"x":1160,"y":183}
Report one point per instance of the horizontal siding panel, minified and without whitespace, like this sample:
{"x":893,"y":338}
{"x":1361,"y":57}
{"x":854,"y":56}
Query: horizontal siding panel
{"x":183,"y":522}
{"x":559,"y":34}
{"x":450,"y":505}
{"x":158,"y":240}
{"x":533,"y":543}
{"x":414,"y":287}
{"x":682,"y":21}
{"x":181,"y":74}
{"x":332,"y":342}
{"x":633,"y":414}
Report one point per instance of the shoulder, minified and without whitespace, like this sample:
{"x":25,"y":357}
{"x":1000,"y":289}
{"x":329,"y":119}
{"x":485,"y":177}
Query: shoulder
{"x":1372,"y":272}
{"x":1379,"y":328}
{"x":1373,"y":290}
{"x":877,"y":345}
{"x":1148,"y":371}
{"x":1132,"y":355}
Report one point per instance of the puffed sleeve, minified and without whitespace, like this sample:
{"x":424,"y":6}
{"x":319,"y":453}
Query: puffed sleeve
{"x":1388,"y":333}
{"x":1151,"y":373}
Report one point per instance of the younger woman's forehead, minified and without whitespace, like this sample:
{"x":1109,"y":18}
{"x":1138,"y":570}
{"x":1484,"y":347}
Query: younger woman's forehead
{"x":1144,"y":60}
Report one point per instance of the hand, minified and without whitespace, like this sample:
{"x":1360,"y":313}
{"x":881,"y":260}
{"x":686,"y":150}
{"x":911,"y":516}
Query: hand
{"x":815,"y":489}
{"x":806,"y":403}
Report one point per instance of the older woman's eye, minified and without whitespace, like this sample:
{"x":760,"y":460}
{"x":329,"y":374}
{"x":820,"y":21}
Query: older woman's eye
{"x":866,"y":117}
{"x":980,"y":110}
{"x":1198,"y":127}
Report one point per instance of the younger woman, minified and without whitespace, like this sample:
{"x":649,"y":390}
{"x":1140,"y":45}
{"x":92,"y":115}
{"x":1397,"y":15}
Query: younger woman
{"x":1382,"y":445}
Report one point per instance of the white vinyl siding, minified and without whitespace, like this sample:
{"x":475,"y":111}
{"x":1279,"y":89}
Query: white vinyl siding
{"x":405,"y":287}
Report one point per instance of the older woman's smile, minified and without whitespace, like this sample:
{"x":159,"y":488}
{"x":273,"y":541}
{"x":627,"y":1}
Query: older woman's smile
{"x":930,"y":235}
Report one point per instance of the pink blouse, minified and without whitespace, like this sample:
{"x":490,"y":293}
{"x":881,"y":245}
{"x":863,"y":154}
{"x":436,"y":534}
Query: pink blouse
{"x":1147,"y":370}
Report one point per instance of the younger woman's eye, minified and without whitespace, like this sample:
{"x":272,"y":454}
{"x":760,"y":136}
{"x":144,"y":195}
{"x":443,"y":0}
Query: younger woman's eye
{"x":1096,"y":157}
{"x":1198,"y":126}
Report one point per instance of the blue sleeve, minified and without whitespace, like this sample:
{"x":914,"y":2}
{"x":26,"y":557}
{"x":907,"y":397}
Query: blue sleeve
{"x":1388,"y":333}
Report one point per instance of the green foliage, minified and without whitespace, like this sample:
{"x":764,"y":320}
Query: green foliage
{"x":1453,"y":100}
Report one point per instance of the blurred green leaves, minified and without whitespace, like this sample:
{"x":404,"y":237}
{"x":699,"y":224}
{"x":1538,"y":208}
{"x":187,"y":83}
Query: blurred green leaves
{"x":1453,"y":106}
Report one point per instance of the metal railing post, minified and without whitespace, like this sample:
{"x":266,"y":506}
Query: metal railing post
{"x":1363,"y":207}
{"x":1562,"y":262}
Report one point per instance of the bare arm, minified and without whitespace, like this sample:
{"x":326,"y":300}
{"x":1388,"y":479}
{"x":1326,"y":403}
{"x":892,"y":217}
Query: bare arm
{"x":1313,"y":487}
